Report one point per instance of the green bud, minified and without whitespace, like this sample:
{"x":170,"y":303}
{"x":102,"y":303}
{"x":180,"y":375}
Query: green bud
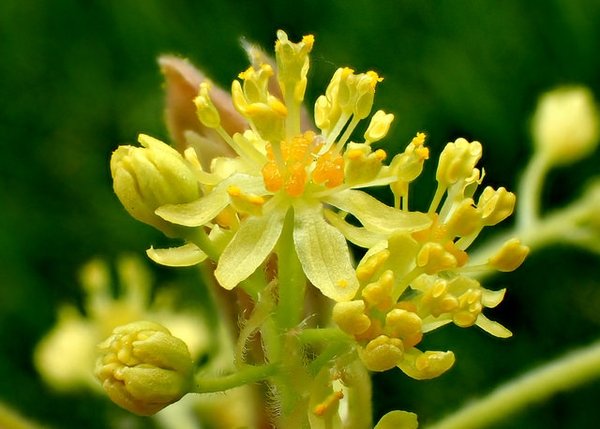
{"x":145,"y":178}
{"x":143,"y":368}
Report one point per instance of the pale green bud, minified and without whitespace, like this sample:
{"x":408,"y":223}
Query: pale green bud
{"x":565,"y":126}
{"x":143,"y":368}
{"x":145,"y":178}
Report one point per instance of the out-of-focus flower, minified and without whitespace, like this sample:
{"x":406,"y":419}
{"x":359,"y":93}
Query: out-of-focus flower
{"x":65,"y":356}
{"x":143,"y":368}
{"x":566,"y":125}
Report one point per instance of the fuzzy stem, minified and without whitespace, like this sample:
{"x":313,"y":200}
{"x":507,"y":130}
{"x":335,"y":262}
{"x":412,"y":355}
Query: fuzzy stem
{"x":562,"y":374}
{"x":245,"y":375}
{"x":292,"y":281}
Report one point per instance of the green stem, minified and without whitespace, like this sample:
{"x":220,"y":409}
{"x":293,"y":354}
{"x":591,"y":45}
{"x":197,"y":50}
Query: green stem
{"x":292,"y":281}
{"x":529,"y":192}
{"x":244,"y":375}
{"x":562,"y":374}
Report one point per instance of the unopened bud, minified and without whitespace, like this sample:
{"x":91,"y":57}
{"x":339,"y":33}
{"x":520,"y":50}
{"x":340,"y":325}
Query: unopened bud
{"x":565,"y":125}
{"x":145,"y":178}
{"x":143,"y":368}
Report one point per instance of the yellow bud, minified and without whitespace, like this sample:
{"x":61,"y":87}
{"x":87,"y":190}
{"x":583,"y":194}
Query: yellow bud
{"x":457,"y":161}
{"x":495,"y":205}
{"x":510,"y":256}
{"x":378,"y":127}
{"x":382,"y":353}
{"x":565,"y":125}
{"x":143,"y":368}
{"x":350,"y":317}
{"x":146,"y":178}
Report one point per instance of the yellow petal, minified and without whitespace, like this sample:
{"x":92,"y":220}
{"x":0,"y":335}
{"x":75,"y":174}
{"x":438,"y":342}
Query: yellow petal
{"x":250,"y":246}
{"x":184,"y":256}
{"x":375,"y":215}
{"x":323,"y":253}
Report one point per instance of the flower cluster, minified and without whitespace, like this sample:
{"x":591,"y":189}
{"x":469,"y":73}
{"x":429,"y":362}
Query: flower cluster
{"x":274,"y":202}
{"x":412,"y":283}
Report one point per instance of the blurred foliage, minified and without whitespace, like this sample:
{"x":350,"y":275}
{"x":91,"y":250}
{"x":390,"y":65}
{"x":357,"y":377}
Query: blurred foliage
{"x":78,"y":78}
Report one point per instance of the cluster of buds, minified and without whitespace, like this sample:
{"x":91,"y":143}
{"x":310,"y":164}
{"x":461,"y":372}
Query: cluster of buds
{"x":412,"y":283}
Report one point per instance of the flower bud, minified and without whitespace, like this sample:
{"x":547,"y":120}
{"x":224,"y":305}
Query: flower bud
{"x":145,"y":178}
{"x":565,"y":125}
{"x":143,"y":368}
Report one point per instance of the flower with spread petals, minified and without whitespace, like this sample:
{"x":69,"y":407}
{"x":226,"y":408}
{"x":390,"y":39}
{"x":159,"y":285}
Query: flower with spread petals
{"x":143,"y":368}
{"x":284,"y":171}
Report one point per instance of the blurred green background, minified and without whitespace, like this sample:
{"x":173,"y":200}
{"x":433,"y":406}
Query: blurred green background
{"x":77,"y":78}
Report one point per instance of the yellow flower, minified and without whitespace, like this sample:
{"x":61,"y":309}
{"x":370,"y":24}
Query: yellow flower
{"x":287,"y":170}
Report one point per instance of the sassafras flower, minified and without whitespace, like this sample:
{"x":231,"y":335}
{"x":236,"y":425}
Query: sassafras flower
{"x":285,"y":171}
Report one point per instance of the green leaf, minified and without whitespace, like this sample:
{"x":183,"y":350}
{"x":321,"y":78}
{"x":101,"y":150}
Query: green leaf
{"x":323,"y":253}
{"x":398,"y":420}
{"x":375,"y":215}
{"x":184,"y":256}
{"x":250,"y":246}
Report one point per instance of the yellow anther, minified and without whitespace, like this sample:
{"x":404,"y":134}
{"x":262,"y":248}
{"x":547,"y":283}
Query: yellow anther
{"x":464,"y":220}
{"x":373,"y":263}
{"x":495,"y":205}
{"x":362,"y":165}
{"x":329,"y":169}
{"x":433,"y":257}
{"x":510,"y":256}
{"x":350,"y":317}
{"x":378,"y":127}
{"x":380,"y":155}
{"x":382,"y":353}
{"x":405,"y":325}
{"x":205,"y":109}
{"x":292,"y":64}
{"x":433,"y":364}
{"x":379,"y":294}
{"x":457,"y":161}
{"x":328,"y":403}
{"x":297,"y":155}
{"x":470,"y":307}
{"x":408,"y":165}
